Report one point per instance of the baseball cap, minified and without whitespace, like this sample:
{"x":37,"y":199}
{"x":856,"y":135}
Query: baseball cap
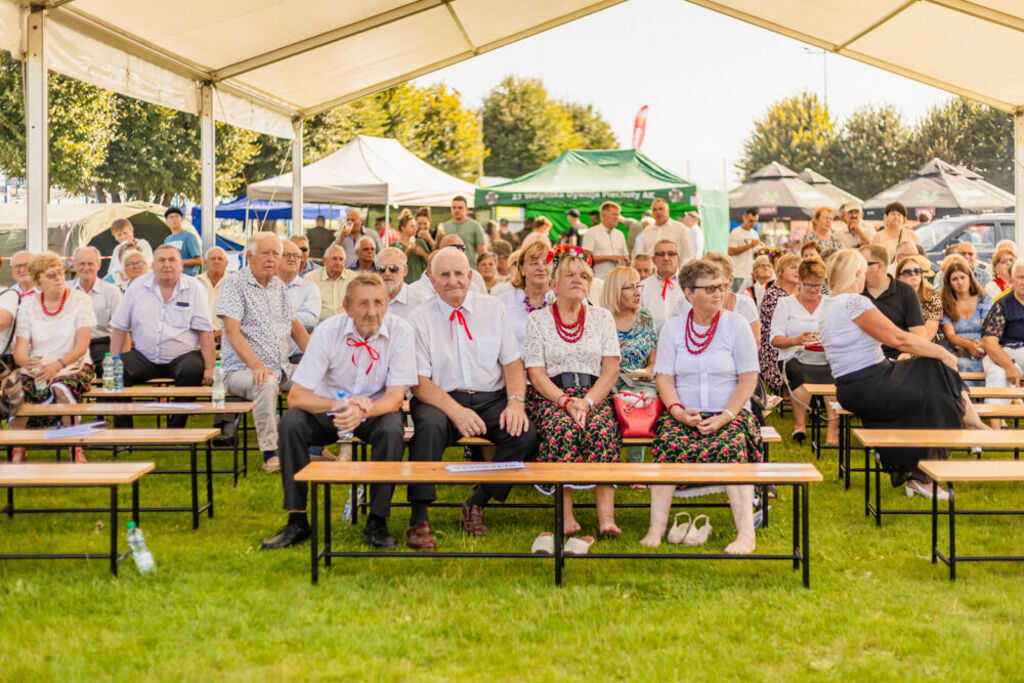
{"x":573,"y":213}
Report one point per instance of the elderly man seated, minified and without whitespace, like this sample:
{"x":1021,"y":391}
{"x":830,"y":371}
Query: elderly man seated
{"x":104,"y":297}
{"x":23,"y":283}
{"x":393,"y":266}
{"x":1002,"y":336}
{"x":216,"y":262}
{"x":425,"y":287}
{"x":331,"y":279}
{"x":366,"y":251}
{"x":306,"y":265}
{"x":661,"y":293}
{"x":258,"y":320}
{"x":374,"y":375}
{"x":168,"y":316}
{"x":471,"y":381}
{"x":303,"y":294}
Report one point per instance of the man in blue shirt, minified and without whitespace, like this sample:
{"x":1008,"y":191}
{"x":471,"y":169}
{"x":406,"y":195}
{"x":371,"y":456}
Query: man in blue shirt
{"x":185,"y":241}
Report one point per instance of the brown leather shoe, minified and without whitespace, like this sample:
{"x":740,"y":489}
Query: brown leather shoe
{"x":472,"y":517}
{"x":420,"y":537}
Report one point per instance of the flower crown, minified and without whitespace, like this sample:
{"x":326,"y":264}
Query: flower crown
{"x":568,"y":251}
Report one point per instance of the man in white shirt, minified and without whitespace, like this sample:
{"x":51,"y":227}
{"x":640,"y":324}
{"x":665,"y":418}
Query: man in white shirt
{"x":392,"y":267}
{"x":167,"y":314}
{"x":661,"y":292}
{"x":856,"y":234}
{"x":691,"y":221}
{"x":606,"y":242}
{"x":216,"y":262}
{"x":104,"y":297}
{"x":471,"y":381}
{"x":375,"y":365}
{"x":23,"y":284}
{"x":304,"y":295}
{"x":331,"y":279}
{"x":664,"y":228}
{"x":743,"y":240}
{"x":424,"y":287}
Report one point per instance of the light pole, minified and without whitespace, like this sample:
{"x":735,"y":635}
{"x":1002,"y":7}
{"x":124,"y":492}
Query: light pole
{"x":824,"y":69}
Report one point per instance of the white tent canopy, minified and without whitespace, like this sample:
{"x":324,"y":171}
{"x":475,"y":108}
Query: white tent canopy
{"x":369,"y":170}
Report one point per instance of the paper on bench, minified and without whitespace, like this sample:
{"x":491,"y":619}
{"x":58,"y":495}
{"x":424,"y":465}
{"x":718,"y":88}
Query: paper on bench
{"x":484,"y":466}
{"x":173,"y":405}
{"x":76,"y":430}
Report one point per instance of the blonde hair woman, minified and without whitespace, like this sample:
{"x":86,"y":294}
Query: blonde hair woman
{"x":787,"y":282}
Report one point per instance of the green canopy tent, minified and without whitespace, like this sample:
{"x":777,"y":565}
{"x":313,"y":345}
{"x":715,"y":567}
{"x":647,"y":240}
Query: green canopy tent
{"x":583,"y":179}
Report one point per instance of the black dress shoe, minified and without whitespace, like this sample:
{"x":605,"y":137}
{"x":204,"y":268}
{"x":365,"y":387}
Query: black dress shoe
{"x":226,"y":438}
{"x":289,"y":535}
{"x":379,"y":538}
{"x":799,"y":437}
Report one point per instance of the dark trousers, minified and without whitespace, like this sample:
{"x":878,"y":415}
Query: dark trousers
{"x":435,"y":432}
{"x":298,"y":430}
{"x":98,"y":349}
{"x":186,"y":369}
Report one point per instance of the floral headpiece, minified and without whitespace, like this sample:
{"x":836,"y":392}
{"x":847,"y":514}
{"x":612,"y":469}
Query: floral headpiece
{"x":568,"y":251}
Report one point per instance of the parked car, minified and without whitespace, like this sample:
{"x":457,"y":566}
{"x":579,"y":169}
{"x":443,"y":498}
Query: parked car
{"x":984,"y":230}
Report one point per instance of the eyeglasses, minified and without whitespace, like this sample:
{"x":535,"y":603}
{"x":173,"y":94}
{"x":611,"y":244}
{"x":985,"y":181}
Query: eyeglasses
{"x":711,"y":289}
{"x":391,"y":268}
{"x":812,"y":285}
{"x":54,"y":275}
{"x":1005,"y":261}
{"x":910,"y":271}
{"x":965,"y":254}
{"x":631,"y":288}
{"x":875,"y":263}
{"x":460,"y":247}
{"x":291,"y":257}
{"x":663,"y":254}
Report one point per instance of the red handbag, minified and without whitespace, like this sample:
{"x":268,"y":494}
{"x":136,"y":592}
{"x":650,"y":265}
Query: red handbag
{"x":637,"y":413}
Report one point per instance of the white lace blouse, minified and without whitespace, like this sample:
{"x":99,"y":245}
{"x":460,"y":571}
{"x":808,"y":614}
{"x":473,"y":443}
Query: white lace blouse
{"x":545,"y":349}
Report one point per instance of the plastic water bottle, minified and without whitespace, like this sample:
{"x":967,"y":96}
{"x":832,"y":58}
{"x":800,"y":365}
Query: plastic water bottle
{"x":140,"y":553}
{"x":218,"y":392}
{"x":340,"y":406}
{"x":41,"y":386}
{"x":118,"y":373}
{"x":108,"y":373}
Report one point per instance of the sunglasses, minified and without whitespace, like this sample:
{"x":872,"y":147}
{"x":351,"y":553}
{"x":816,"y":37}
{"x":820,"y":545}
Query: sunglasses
{"x":392,"y":268}
{"x":460,"y":247}
{"x":910,"y":271}
{"x":711,"y":289}
{"x":303,"y":249}
{"x":663,"y":254}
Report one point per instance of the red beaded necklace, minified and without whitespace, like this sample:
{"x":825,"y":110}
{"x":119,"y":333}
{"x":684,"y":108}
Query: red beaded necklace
{"x":42,"y":302}
{"x":700,"y":340}
{"x":570,"y":333}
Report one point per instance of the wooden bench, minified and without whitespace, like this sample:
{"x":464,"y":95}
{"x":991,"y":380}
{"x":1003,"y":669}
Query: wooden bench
{"x":872,"y":439}
{"x":951,"y":472}
{"x":141,"y":410}
{"x":108,"y":475}
{"x":327,"y":474}
{"x":109,"y":438}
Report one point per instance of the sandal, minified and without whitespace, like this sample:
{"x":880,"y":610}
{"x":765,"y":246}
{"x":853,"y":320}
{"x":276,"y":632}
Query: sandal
{"x":678,"y":531}
{"x":578,"y":545}
{"x":18,"y":454}
{"x":698,"y":535}
{"x":79,"y":455}
{"x":544,"y":544}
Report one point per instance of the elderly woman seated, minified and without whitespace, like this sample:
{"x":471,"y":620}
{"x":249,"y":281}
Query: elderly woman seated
{"x":706,"y":370}
{"x":1002,"y":336}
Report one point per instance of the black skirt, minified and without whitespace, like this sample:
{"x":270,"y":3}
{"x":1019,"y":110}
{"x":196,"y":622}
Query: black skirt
{"x":797,"y":374}
{"x":918,"y":393}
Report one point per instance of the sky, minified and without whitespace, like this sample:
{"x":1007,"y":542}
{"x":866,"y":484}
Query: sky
{"x":705,"y":76}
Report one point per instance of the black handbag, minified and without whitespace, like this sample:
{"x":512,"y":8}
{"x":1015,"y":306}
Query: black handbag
{"x":11,"y":393}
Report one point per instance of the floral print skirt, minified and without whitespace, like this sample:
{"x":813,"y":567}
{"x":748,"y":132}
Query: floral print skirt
{"x":562,"y":440}
{"x":738,"y":441}
{"x":78,"y":383}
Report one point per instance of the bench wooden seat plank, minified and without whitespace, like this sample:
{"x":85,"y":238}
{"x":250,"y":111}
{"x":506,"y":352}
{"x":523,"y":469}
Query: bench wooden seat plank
{"x":973,"y":392}
{"x":133,"y":409}
{"x":987,"y":411}
{"x":973,"y":470}
{"x":151,"y":392}
{"x":109,"y":437}
{"x":940,"y":438}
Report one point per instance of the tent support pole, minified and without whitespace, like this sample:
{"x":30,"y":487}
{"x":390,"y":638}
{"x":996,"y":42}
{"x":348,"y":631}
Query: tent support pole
{"x":297,"y":177}
{"x":387,"y":208}
{"x":37,"y":137}
{"x":208,"y":165}
{"x":1018,"y":172}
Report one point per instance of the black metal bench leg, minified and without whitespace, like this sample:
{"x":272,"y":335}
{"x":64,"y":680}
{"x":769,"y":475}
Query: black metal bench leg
{"x":113,"y":530}
{"x":806,"y":517}
{"x":209,"y":480}
{"x":194,"y":474}
{"x":327,"y":524}
{"x":796,"y":527}
{"x":135,"y":502}
{"x":952,"y":533}
{"x":559,"y":500}
{"x":313,"y":522}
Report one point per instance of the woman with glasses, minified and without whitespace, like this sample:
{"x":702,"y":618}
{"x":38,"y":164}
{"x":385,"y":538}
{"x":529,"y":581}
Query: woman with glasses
{"x":964,"y":307}
{"x":921,"y":392}
{"x":737,"y":303}
{"x":571,"y":353}
{"x":133,"y":266}
{"x":52,"y":343}
{"x":1002,"y":261}
{"x":487,"y":266}
{"x":531,"y":286}
{"x":706,"y":371}
{"x":917,"y":272}
{"x":764,"y":277}
{"x":795,"y":330}
{"x":787,"y":281}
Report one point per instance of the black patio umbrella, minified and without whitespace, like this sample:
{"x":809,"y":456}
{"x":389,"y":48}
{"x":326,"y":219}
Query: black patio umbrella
{"x":838,"y":195}
{"x":777,"y":193}
{"x":941,"y":189}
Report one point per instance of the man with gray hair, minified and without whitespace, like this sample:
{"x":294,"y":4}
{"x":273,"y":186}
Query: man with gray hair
{"x":366,"y":251}
{"x":216,"y":261}
{"x":304,"y":295}
{"x":352,"y":231}
{"x":663,"y":228}
{"x":23,"y":283}
{"x":104,"y":297}
{"x":392,"y":267}
{"x":424,"y":287}
{"x":967,"y":252}
{"x":258,"y":321}
{"x":331,"y":279}
{"x":306,"y":265}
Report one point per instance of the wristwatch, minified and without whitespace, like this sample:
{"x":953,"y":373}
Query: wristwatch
{"x":589,"y":402}
{"x":517,"y":397}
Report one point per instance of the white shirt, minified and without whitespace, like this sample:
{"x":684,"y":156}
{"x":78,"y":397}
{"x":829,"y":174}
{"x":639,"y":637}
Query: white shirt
{"x":847,"y":347}
{"x":705,"y":381}
{"x":332,"y":363}
{"x":671,"y":230}
{"x":601,"y":241}
{"x":406,"y":301}
{"x":9,"y":302}
{"x":742,"y":264}
{"x":305,"y":298}
{"x":163,"y":331}
{"x":446,"y":354}
{"x":543,"y":348}
{"x":213,"y":291}
{"x":661,"y":307}
{"x":105,"y":299}
{"x":696,"y":239}
{"x":53,"y":336}
{"x":424,"y":288}
{"x":791,"y":319}
{"x":515,"y":304}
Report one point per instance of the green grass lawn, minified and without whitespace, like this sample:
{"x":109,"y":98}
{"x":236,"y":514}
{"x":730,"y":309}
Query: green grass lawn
{"x":218,"y":607}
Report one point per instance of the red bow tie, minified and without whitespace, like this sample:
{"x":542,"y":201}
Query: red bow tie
{"x":457,"y":316}
{"x":666,"y":285}
{"x":374,"y":354}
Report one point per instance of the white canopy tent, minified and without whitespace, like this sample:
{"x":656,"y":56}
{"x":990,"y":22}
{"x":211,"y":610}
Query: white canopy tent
{"x":267,"y":64}
{"x":369,"y":170}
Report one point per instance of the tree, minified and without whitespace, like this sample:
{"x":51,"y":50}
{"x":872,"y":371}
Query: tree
{"x":82,"y":120}
{"x":796,"y":132}
{"x":522,"y":128}
{"x":872,"y":151}
{"x":967,"y":133}
{"x":591,"y":130}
